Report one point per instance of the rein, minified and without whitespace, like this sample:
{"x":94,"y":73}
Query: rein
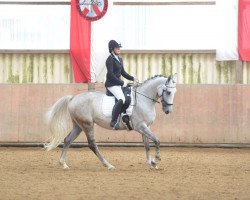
{"x":136,"y":92}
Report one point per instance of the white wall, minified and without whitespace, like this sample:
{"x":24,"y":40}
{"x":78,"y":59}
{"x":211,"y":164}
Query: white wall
{"x":165,"y":27}
{"x":34,"y":26}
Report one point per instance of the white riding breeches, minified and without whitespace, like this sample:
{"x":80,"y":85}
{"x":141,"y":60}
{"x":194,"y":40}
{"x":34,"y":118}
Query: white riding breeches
{"x":117,"y":92}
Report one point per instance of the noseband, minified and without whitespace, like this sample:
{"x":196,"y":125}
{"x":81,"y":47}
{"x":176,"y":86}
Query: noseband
{"x":164,"y":103}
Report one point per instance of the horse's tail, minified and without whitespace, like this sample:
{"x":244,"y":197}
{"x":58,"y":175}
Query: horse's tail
{"x":57,"y":118}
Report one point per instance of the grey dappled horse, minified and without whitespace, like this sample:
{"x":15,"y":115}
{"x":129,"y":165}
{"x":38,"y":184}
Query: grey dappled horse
{"x":85,"y":110}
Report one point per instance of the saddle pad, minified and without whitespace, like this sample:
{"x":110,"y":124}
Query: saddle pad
{"x":108,"y":103}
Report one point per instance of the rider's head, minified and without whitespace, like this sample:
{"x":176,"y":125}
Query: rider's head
{"x":114,"y":47}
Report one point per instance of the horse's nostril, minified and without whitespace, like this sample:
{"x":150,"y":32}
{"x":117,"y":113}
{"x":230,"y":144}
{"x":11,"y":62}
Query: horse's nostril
{"x":166,"y":112}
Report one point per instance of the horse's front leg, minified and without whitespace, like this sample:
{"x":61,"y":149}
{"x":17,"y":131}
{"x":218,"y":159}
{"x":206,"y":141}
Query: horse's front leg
{"x":148,"y":134}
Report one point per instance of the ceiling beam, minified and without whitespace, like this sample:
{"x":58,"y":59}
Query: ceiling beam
{"x":120,"y":3}
{"x":160,"y":3}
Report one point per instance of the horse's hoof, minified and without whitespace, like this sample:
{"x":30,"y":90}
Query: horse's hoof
{"x":153,"y":164}
{"x":111,"y":168}
{"x":154,"y":167}
{"x":66,"y":167}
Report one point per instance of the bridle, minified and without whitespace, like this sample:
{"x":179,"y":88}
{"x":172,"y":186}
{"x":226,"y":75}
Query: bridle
{"x":164,"y":103}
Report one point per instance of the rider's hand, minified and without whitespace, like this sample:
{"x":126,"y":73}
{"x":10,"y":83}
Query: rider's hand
{"x":136,"y":81}
{"x":124,"y":84}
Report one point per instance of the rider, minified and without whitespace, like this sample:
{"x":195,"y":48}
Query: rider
{"x":115,"y":70}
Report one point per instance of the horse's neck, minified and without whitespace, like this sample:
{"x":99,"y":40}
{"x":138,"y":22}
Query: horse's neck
{"x":150,"y":88}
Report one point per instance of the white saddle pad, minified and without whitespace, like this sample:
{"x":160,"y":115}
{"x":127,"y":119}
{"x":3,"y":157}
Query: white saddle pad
{"x":108,"y":103}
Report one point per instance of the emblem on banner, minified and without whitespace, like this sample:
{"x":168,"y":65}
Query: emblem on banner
{"x":92,"y":9}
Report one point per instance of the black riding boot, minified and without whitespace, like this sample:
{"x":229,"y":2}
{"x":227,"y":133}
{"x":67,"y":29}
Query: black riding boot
{"x":115,"y":113}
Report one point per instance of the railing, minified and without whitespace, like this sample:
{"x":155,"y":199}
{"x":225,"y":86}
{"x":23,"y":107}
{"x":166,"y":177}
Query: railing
{"x":246,"y":72}
{"x":193,"y":67}
{"x":35,"y":67}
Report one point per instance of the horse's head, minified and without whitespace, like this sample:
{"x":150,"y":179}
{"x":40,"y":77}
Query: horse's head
{"x":167,"y":92}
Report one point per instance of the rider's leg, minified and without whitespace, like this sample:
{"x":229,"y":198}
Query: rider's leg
{"x":115,"y":114}
{"x":117,"y":92}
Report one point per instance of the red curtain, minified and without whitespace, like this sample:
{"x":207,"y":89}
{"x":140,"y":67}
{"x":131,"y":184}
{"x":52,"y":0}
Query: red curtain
{"x":80,"y":36}
{"x":244,"y":30}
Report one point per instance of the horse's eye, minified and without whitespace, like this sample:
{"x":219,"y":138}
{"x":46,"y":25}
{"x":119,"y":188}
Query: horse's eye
{"x":168,"y":93}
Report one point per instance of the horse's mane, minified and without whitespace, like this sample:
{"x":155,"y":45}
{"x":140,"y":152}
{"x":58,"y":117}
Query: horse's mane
{"x":153,"y":77}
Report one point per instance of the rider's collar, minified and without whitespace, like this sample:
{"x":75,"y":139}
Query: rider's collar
{"x":115,"y":56}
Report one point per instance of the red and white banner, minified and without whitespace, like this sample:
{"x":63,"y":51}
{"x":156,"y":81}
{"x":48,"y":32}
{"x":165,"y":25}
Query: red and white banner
{"x":80,"y":33}
{"x":82,"y":14}
{"x":244,"y":30}
{"x":233,"y":31}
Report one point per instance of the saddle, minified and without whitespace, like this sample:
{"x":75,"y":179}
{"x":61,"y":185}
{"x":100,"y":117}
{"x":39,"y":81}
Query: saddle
{"x":127,"y":93}
{"x":109,"y":101}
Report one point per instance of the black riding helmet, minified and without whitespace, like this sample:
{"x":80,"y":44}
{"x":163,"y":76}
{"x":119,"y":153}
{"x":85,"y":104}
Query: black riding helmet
{"x":113,"y":44}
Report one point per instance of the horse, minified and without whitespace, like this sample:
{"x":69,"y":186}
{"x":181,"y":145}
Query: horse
{"x":85,"y":109}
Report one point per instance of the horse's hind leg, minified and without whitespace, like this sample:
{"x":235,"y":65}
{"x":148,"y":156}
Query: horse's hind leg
{"x":147,"y":148}
{"x":67,"y":142}
{"x":89,"y":131}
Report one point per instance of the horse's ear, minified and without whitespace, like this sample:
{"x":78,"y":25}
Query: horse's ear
{"x":174,"y":78}
{"x":169,"y":78}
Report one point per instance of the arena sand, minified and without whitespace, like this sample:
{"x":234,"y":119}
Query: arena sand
{"x":184,"y":173}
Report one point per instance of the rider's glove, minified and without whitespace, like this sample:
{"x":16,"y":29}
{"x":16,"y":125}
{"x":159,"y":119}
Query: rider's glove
{"x":136,"y":81}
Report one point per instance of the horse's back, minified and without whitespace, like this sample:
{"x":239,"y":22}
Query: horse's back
{"x":86,"y":106}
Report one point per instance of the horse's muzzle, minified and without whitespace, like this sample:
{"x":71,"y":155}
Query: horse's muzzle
{"x":168,"y":109}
